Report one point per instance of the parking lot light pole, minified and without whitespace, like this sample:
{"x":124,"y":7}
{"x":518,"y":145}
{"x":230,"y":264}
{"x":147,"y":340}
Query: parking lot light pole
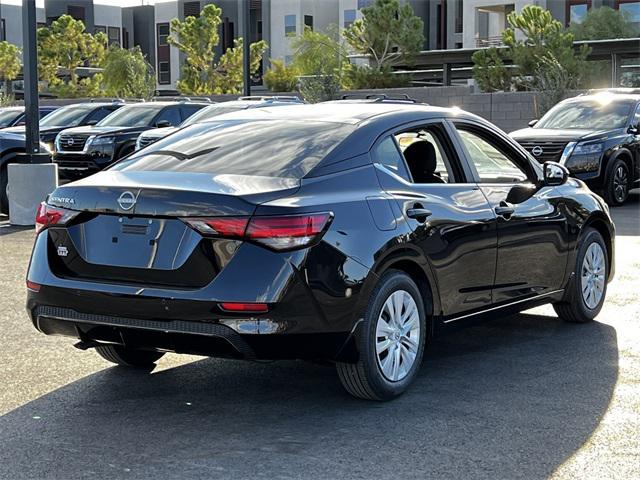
{"x":30,"y":67}
{"x":32,"y":176}
{"x":246,"y":44}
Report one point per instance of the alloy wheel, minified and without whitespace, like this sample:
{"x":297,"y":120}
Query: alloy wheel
{"x":397,"y":335}
{"x":593,"y":275}
{"x":620,"y":184}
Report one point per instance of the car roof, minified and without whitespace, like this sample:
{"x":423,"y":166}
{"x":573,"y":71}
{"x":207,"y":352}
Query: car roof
{"x":342,"y":111}
{"x":610,"y":97}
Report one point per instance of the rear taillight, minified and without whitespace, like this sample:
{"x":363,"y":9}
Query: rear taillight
{"x":276,"y":232}
{"x":48,"y":215}
{"x":33,"y":286}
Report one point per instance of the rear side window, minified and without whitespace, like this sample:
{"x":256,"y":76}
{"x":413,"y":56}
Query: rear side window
{"x":271,"y":148}
{"x":171,"y":115}
{"x":386,"y":153}
{"x":188,"y":110}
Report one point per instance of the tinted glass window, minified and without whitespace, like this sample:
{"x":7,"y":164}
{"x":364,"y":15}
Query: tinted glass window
{"x":132,"y":116}
{"x":65,"y":117}
{"x":589,"y":115}
{"x":386,"y":153}
{"x":272,"y":148}
{"x":188,"y":110}
{"x":8,"y":116}
{"x":171,"y":115}
{"x":492,"y":165}
{"x":210,"y":112}
{"x":100,"y":113}
{"x":427,"y":159}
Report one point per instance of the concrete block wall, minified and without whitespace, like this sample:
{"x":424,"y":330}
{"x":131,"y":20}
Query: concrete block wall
{"x":508,"y":110}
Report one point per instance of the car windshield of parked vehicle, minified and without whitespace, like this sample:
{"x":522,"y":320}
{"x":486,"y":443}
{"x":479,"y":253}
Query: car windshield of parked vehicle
{"x":587,"y":115}
{"x":66,"y":116}
{"x":208,"y":113}
{"x":132,"y":116}
{"x":270,"y":148}
{"x":7,"y":117}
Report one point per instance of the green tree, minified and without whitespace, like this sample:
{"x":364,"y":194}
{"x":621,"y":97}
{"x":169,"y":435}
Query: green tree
{"x":602,"y":23}
{"x":9,"y":66}
{"x":281,"y":77}
{"x":490,"y":71}
{"x":320,"y":59}
{"x":197,"y":38}
{"x":65,"y":45}
{"x":127,"y":73}
{"x":389,"y":33}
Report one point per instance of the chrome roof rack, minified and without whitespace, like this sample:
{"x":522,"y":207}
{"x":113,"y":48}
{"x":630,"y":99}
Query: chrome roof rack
{"x":180,"y":98}
{"x":380,"y":97}
{"x":275,"y":98}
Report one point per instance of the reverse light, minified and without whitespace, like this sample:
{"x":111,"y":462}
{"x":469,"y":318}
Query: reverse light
{"x":244,"y":307}
{"x":48,"y":215}
{"x":285,"y":232}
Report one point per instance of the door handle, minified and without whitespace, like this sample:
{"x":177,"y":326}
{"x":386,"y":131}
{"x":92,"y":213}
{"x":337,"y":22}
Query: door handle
{"x":505,"y":210}
{"x":418,"y":213}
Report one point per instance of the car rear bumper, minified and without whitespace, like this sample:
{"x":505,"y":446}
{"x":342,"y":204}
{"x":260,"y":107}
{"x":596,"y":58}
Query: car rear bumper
{"x":190,"y":337}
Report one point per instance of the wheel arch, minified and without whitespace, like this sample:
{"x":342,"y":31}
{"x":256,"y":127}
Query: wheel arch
{"x":9,"y":153}
{"x":625,"y":155}
{"x":601,"y":224}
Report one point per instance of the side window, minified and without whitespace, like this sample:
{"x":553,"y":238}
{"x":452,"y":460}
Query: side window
{"x":170,"y":114}
{"x":98,"y":114}
{"x":426,"y":155}
{"x":491,"y":164}
{"x":636,"y":118}
{"x":188,"y":110}
{"x":386,"y":153}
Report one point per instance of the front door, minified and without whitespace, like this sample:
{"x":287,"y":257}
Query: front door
{"x":452,"y":223}
{"x":532,"y":227}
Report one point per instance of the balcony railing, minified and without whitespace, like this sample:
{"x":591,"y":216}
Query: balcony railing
{"x":482,"y":42}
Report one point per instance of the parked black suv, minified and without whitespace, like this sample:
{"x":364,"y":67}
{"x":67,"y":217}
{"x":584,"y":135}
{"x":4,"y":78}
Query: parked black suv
{"x":14,"y":116}
{"x":85,"y":150}
{"x":68,"y":116}
{"x":596,"y":136}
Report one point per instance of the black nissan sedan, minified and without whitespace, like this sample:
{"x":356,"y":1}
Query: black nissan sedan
{"x":351,"y":231}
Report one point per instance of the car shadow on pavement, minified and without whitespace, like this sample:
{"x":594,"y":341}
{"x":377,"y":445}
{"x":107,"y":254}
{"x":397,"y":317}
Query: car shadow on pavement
{"x":513,"y":398}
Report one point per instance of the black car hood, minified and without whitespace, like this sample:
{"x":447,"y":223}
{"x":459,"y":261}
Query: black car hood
{"x":43,"y":130}
{"x":95,"y":130}
{"x":562,"y":135}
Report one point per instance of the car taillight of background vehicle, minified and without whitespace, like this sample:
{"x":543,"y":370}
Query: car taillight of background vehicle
{"x":286,"y":232}
{"x":48,"y":215}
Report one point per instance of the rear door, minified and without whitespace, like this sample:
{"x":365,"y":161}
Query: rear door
{"x":458,"y":235}
{"x":532,"y":229}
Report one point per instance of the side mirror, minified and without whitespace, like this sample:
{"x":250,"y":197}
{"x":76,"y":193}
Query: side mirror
{"x":91,"y":123}
{"x":533,"y":123}
{"x":634,"y":129}
{"x":163,"y":124}
{"x":555,"y":174}
{"x":520,"y":193}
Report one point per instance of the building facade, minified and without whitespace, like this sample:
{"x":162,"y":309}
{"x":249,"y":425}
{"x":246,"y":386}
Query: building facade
{"x":448,"y":24}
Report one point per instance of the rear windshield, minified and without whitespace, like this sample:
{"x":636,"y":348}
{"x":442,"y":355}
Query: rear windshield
{"x":271,"y":148}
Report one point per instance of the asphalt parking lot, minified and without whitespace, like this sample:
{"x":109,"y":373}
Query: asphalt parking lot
{"x":523,"y":397}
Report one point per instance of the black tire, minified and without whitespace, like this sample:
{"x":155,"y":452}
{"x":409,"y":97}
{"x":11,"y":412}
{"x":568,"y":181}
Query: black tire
{"x":4,"y":199}
{"x":365,"y":378}
{"x":128,"y":357}
{"x":574,"y":309}
{"x":616,"y":183}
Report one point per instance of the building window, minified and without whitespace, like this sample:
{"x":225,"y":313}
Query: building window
{"x":164,"y":73}
{"x":459,"y":9}
{"x":577,"y":11}
{"x":114,"y":35}
{"x":191,"y":9}
{"x":163,"y":34}
{"x":364,"y":3}
{"x":288,"y":60}
{"x":125,"y":38}
{"x":3,"y":30}
{"x":308,"y":22}
{"x":100,"y":29}
{"x":630,"y":10}
{"x":349,"y":18}
{"x":289,"y":25}
{"x":228,"y":34}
